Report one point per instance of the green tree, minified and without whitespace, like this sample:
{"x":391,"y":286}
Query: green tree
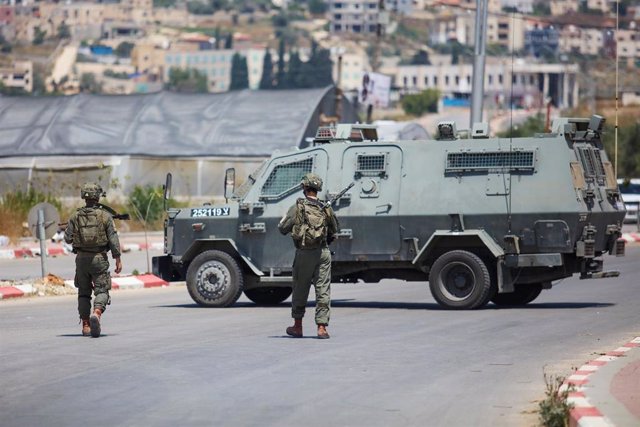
{"x":164,"y":3}
{"x":5,"y":46}
{"x":280,"y":20}
{"x":317,"y":7}
{"x":38,"y":35}
{"x":187,"y":80}
{"x":421,"y":103}
{"x":64,"y":32}
{"x":197,"y":7}
{"x":534,"y":124}
{"x":281,"y":80}
{"x":294,"y":71}
{"x":89,"y":84}
{"x":239,"y":72}
{"x":124,"y":49}
{"x":228,"y":42}
{"x":420,"y":58}
{"x":266,"y":82}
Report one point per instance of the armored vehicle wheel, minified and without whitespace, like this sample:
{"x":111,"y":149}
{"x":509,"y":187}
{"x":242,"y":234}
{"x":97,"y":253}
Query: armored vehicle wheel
{"x":460,"y":280}
{"x":523,"y":294}
{"x":214,"y":279}
{"x":268,"y":295}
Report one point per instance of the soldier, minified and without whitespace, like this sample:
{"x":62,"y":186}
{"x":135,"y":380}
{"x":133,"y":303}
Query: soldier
{"x":312,"y":226}
{"x":92,"y":233}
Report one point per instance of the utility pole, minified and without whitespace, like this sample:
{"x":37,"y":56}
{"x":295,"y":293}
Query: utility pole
{"x":477,"y":94}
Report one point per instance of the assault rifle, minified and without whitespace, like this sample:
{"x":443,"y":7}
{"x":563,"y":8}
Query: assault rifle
{"x":114,"y":214}
{"x":335,"y":198}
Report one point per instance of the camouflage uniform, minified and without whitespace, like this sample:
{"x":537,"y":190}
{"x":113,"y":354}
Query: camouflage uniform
{"x":92,"y":264}
{"x":311,"y":265}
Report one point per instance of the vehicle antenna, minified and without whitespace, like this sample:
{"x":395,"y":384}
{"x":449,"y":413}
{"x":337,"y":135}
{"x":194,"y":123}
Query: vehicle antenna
{"x":615,"y":162}
{"x":513,"y":17}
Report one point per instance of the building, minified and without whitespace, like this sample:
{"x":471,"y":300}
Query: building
{"x":215,"y":64}
{"x":17,"y":75}
{"x":564,"y":7}
{"x":584,"y":41}
{"x":541,"y":41}
{"x":530,"y":83}
{"x":354,"y":16}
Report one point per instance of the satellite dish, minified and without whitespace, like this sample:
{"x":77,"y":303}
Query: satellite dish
{"x":51,"y":219}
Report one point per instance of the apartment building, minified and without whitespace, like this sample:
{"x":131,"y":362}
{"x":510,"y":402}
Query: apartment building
{"x":459,"y":25}
{"x":563,"y":7}
{"x":17,"y":75}
{"x":628,"y":43}
{"x":353,"y":16}
{"x":215,"y":64}
{"x":585,"y":41}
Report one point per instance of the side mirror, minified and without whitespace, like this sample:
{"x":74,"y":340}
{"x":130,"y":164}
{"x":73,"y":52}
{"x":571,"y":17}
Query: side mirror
{"x":229,"y":183}
{"x":167,"y":190}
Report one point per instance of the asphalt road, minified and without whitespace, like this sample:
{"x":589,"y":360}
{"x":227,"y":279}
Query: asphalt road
{"x":394,"y":358}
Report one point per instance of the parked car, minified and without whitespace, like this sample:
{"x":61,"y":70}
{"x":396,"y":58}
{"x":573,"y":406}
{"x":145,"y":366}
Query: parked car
{"x":630,"y":192}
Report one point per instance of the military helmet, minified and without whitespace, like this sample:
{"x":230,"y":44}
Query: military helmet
{"x":91,"y":190}
{"x":312,"y":180}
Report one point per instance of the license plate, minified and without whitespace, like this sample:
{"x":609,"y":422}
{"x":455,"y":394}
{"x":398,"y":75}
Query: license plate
{"x":203,"y":212}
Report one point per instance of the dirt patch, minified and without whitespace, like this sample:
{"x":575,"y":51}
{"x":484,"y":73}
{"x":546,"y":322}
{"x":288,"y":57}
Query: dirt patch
{"x":53,"y":285}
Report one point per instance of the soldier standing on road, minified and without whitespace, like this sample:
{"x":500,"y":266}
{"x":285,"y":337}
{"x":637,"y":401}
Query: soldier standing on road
{"x":92,"y":233}
{"x":312,"y":226}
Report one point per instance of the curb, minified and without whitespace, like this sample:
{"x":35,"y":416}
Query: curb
{"x":631,"y":237}
{"x":16,"y":291}
{"x":55,"y":250}
{"x":125,"y":282}
{"x":583,"y":413}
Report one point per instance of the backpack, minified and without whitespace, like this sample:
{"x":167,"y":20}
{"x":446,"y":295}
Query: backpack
{"x":310,"y":227}
{"x":91,"y":229}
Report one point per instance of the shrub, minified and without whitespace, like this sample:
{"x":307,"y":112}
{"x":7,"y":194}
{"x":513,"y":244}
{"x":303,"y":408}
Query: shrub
{"x":421,"y":103}
{"x":146,"y":203}
{"x":554,"y":409}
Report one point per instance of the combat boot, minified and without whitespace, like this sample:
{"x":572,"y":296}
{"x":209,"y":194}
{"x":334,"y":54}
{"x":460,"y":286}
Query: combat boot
{"x":295,"y":330}
{"x":94,"y":321}
{"x":322,"y":332}
{"x":86,"y":329}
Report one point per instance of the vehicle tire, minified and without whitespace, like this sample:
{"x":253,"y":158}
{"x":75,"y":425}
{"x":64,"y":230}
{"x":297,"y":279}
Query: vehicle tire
{"x":460,"y":280}
{"x":522,"y":295}
{"x":268,"y":295}
{"x":214,"y":279}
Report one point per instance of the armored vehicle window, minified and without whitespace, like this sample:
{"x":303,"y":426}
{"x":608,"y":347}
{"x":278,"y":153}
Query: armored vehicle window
{"x":371,"y":165}
{"x":285,"y":178}
{"x":512,"y":160}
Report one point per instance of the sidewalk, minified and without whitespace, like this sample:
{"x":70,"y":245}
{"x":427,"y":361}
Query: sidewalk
{"x":606,"y":390}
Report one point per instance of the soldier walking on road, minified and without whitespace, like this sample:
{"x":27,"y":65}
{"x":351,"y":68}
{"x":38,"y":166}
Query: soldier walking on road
{"x":312,"y":226}
{"x":92,"y":233}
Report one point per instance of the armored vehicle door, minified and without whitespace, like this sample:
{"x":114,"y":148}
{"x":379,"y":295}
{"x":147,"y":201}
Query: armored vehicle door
{"x":372,"y":214}
{"x":279,"y":188}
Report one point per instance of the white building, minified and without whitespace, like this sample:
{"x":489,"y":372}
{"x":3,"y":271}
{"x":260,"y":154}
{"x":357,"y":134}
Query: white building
{"x":353,"y":16}
{"x":530,"y":83}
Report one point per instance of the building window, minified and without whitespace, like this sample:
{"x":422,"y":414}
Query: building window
{"x":446,"y":80}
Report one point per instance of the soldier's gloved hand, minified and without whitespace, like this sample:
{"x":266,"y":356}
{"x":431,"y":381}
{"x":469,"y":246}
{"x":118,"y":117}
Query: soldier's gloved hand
{"x":118,"y":266}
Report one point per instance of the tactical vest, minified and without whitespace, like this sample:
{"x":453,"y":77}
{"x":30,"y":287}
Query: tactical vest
{"x":310,"y":225}
{"x":91,"y":231}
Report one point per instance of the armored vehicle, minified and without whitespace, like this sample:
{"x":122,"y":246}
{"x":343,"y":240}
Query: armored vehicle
{"x":481,"y":219}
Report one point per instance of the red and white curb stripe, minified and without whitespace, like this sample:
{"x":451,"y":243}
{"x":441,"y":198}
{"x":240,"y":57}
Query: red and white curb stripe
{"x":631,"y":237}
{"x":31,"y":252}
{"x":16,"y":291}
{"x":132,"y":282}
{"x":127,"y":247}
{"x":584,"y":414}
{"x":60,"y":250}
{"x":125,"y":282}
